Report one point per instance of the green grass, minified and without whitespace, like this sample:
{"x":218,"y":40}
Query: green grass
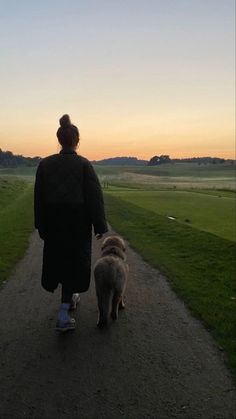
{"x":190,"y":169}
{"x":18,"y":171}
{"x":9,"y":189}
{"x":173,"y":170}
{"x":168,"y":176}
{"x":16,"y":222}
{"x":214,"y":213}
{"x":199,"y":265}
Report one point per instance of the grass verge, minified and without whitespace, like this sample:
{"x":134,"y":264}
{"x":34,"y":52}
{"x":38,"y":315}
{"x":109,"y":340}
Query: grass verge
{"x":200,"y":266}
{"x":16,"y":222}
{"x":214,"y":215}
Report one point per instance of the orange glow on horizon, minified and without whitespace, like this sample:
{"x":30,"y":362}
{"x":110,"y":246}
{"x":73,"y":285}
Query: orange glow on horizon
{"x":176,"y":135}
{"x":27,"y":151}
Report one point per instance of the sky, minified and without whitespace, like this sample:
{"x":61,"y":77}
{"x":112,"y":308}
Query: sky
{"x":138,"y":77}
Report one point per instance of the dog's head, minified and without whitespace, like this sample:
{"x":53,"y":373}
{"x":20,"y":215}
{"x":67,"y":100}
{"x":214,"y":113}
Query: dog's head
{"x":115,"y":241}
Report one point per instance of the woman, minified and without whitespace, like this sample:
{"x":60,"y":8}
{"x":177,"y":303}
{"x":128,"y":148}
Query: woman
{"x":68,"y":201}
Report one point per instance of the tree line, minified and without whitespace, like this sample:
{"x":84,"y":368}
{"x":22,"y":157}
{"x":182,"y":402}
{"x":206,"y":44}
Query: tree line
{"x":8,"y":159}
{"x":163,"y":159}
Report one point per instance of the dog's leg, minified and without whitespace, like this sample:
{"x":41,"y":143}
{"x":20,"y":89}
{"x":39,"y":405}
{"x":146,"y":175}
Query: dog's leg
{"x":115,"y":305}
{"x":103,"y":306}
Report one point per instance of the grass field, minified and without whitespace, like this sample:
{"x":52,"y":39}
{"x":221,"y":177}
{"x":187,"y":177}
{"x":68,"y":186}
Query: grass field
{"x":16,"y":222}
{"x":214,"y":213}
{"x":18,"y":171}
{"x":179,"y":176}
{"x":172,"y":170}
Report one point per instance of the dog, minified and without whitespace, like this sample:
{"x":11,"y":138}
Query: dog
{"x":110,"y":274}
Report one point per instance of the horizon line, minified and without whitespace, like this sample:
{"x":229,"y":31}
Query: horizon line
{"x":131,"y":157}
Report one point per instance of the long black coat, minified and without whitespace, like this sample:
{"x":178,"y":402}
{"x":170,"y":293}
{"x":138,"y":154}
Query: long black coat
{"x":68,"y":201}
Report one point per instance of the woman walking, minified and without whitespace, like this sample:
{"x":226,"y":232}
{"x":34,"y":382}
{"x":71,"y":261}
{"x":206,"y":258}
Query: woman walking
{"x":68,"y":201}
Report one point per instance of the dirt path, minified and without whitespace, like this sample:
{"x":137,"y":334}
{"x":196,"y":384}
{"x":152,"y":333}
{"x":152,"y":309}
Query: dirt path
{"x":155,"y":362}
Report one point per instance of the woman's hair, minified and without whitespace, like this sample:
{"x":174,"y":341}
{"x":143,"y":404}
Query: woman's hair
{"x":67,"y":134}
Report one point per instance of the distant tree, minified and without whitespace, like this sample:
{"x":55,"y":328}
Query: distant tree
{"x":164,"y":158}
{"x":156,"y":160}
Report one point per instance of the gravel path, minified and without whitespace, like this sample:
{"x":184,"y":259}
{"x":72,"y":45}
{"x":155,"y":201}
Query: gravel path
{"x":155,"y":362}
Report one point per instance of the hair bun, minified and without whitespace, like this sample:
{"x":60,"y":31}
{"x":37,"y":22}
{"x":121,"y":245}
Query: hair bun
{"x":65,"y":121}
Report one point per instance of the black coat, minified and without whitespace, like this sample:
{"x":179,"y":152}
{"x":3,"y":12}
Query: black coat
{"x":68,"y":201}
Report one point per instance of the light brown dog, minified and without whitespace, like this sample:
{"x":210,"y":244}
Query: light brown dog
{"x":111,"y":274}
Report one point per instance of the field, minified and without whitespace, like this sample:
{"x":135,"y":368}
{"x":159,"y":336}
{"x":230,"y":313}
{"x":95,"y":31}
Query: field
{"x":205,"y":206}
{"x":177,"y":176}
{"x":215,"y":213}
{"x":180,"y":218}
{"x":26,"y":173}
{"x":16,"y":222}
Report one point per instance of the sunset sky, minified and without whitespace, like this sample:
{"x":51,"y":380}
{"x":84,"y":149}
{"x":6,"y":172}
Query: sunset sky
{"x":138,"y":77}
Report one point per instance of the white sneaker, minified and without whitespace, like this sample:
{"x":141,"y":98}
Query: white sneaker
{"x":74,"y":301}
